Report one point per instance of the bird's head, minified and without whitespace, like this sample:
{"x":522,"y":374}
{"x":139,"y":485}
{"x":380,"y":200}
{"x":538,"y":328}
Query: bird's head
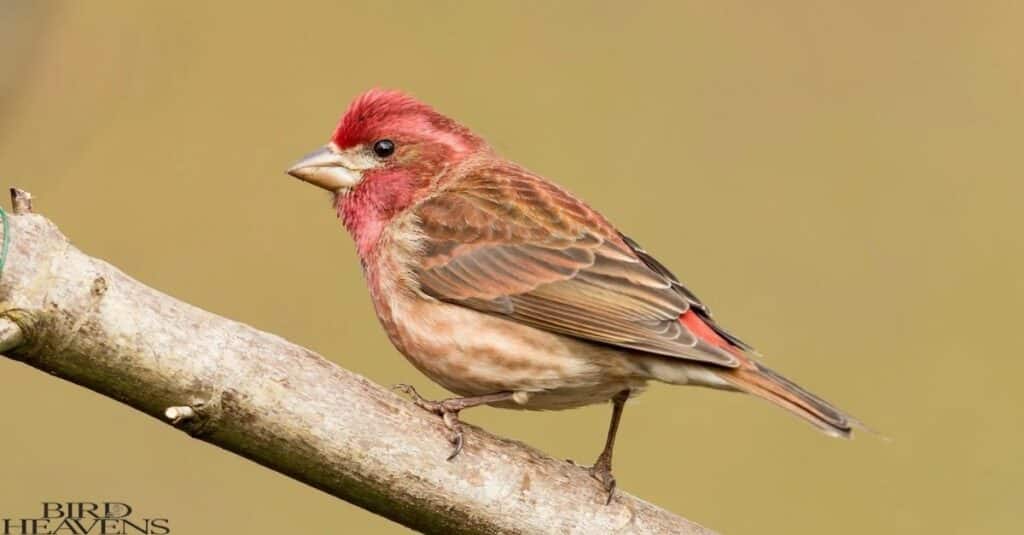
{"x":382,"y":135}
{"x":385,"y":151}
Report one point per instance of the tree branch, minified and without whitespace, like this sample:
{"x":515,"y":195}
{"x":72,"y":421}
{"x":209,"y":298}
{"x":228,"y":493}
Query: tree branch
{"x":283,"y":406}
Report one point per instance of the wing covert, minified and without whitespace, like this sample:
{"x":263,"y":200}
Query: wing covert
{"x":505,"y":242}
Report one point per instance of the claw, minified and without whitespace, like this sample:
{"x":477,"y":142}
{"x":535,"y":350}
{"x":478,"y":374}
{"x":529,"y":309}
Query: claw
{"x":603,"y":475}
{"x":449,"y":410}
{"x":451,"y":421}
{"x":408,"y":390}
{"x":456,"y":440}
{"x":425,"y":404}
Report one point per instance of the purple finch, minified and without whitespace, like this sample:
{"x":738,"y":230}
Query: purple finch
{"x":506,"y":289}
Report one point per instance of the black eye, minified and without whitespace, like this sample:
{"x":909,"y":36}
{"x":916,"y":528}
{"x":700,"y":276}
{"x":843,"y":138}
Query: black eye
{"x":384,"y":148}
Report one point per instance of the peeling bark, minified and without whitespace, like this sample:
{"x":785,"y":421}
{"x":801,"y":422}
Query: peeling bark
{"x":284,"y":406}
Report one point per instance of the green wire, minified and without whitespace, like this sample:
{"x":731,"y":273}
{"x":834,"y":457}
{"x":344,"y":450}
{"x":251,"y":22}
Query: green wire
{"x":7,"y":240}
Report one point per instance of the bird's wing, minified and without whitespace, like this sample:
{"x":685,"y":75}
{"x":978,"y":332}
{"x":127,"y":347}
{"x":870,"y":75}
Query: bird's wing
{"x":505,"y":242}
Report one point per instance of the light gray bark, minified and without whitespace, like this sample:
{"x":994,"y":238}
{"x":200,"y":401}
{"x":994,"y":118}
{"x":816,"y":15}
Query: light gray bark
{"x":284,"y":406}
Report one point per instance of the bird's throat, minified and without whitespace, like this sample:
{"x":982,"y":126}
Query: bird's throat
{"x":369,"y":207}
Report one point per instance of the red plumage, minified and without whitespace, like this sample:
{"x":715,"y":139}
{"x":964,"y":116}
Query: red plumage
{"x":374,"y":111}
{"x":504,"y":287}
{"x":380,"y":113}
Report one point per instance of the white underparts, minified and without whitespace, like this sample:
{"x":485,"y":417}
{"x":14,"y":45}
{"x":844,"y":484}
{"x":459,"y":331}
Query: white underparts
{"x":679,"y":372}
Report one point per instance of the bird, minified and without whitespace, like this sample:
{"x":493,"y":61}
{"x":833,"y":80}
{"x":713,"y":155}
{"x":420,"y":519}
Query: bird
{"x":509,"y":291}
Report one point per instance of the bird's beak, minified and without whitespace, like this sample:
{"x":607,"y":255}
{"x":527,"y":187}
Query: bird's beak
{"x":326,"y":168}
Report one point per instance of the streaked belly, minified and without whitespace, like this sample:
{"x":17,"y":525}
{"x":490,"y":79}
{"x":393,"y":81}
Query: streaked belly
{"x":472,"y":353}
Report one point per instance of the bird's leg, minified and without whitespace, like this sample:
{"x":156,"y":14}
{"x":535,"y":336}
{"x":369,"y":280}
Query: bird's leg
{"x":448,"y":410}
{"x":602,"y":469}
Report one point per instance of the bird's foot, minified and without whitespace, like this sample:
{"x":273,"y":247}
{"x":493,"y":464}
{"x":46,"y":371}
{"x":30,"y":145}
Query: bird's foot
{"x":602,"y":472}
{"x":420,"y":401}
{"x":447,"y":409}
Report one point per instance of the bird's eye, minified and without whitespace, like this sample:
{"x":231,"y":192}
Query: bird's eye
{"x":384,"y":148}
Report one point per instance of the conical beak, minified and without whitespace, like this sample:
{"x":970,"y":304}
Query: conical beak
{"x":325,"y":168}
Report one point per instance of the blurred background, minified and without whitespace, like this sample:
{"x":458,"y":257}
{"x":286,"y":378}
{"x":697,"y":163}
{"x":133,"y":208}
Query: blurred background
{"x":848,"y":175}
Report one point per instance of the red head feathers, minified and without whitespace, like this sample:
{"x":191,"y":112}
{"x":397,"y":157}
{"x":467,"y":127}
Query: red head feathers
{"x":383,"y":114}
{"x":372,"y":184}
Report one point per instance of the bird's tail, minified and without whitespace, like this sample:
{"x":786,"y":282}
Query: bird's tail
{"x":766,"y":384}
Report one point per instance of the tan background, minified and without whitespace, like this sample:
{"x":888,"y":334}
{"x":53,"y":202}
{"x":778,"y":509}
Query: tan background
{"x":841,"y":181}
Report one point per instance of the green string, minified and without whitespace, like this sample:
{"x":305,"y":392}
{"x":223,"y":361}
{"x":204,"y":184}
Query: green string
{"x":7,"y":240}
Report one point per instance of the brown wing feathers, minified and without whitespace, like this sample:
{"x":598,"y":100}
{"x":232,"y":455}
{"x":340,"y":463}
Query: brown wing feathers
{"x":508,"y":243}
